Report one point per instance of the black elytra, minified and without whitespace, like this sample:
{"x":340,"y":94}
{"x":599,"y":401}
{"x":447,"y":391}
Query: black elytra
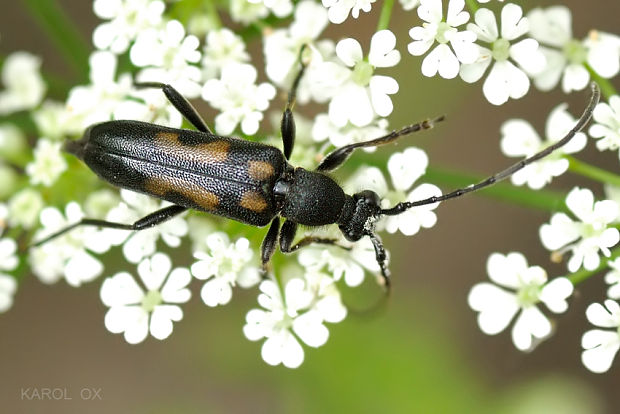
{"x":248,"y":181}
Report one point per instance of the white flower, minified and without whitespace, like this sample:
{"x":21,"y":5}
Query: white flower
{"x":612,"y":192}
{"x":409,"y":4}
{"x":612,"y":278}
{"x":168,"y":56}
{"x":199,"y":227}
{"x":299,"y":313}
{"x":24,"y":86}
{"x":8,"y":258}
{"x":339,"y":9}
{"x":66,"y":255}
{"x":48,"y":163}
{"x":586,"y":236}
{"x":4,"y":214}
{"x":242,"y":11}
{"x":55,"y":121}
{"x":603,"y":53}
{"x":99,"y":203}
{"x":324,"y":129}
{"x":8,"y":262}
{"x":528,"y":286}
{"x":607,"y":126}
{"x":222,"y":47}
{"x":519,"y":139}
{"x":341,"y":263}
{"x":280,"y":8}
{"x":24,"y":208}
{"x":127,"y":19}
{"x":567,"y":57}
{"x":405,"y":168}
{"x":99,"y":101}
{"x":8,"y":286}
{"x":443,"y":59}
{"x":223,"y":266}
{"x":238,"y":98}
{"x":505,"y":80}
{"x":601,"y":345}
{"x":136,"y":311}
{"x":12,"y":142}
{"x":363,"y":94}
{"x":282,"y":46}
{"x":140,"y":244}
{"x":149,"y":105}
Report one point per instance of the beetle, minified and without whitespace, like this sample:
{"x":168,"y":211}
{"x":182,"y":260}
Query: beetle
{"x":251,"y":182}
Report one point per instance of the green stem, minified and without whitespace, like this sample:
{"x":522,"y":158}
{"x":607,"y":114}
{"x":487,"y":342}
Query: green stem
{"x":63,"y":34}
{"x":546,"y":200}
{"x":212,"y":12}
{"x":590,"y":171}
{"x":582,"y":275}
{"x":472,"y":5}
{"x":607,"y":88}
{"x":386,"y":13}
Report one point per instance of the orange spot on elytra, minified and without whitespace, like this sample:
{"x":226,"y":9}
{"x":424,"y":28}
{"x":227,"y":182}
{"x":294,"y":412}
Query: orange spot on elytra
{"x":260,"y":170}
{"x":253,"y":201}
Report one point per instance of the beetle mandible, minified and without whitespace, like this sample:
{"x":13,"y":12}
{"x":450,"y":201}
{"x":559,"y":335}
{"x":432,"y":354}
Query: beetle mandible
{"x":248,"y":181}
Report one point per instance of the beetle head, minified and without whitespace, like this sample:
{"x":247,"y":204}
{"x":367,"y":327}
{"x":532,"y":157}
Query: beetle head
{"x":363,"y":209}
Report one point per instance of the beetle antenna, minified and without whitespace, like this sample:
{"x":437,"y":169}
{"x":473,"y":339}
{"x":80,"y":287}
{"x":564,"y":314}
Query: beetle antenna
{"x":292,"y":94}
{"x":585,"y":117}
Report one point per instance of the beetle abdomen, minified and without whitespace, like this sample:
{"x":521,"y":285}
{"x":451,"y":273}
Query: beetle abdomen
{"x":226,"y":176}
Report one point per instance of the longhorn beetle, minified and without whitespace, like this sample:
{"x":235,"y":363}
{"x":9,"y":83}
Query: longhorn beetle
{"x":248,"y":181}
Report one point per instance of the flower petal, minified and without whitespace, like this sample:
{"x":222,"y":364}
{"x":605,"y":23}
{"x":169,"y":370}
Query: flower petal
{"x":531,"y":323}
{"x":600,"y":349}
{"x":349,"y":51}
{"x":496,"y":306}
{"x":382,"y":53}
{"x":161,"y":320}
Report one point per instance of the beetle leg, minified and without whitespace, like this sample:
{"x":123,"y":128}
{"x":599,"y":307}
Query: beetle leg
{"x":381,"y":257}
{"x":288,"y":235}
{"x":153,"y":219}
{"x":180,"y":103}
{"x":268,"y":247}
{"x":335,"y":158}
{"x":287,"y":126}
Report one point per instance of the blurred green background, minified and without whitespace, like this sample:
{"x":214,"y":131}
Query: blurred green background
{"x":423,"y":352}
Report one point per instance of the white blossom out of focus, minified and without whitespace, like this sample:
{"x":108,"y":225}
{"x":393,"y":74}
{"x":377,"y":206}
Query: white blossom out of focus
{"x":126,"y":18}
{"x":24,"y":87}
{"x":238,"y":98}
{"x":606,"y":126}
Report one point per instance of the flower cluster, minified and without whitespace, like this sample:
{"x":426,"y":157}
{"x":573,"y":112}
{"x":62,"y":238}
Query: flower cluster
{"x":587,"y":230}
{"x":348,"y":84}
